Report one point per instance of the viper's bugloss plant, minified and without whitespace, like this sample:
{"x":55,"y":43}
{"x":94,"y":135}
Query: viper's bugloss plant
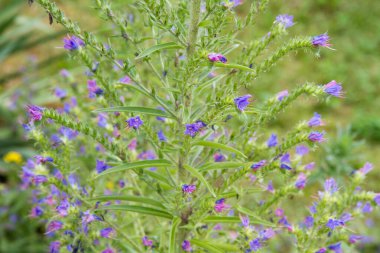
{"x":159,"y":148}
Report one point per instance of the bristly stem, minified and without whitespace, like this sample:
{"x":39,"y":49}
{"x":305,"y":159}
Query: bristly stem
{"x":195,"y":9}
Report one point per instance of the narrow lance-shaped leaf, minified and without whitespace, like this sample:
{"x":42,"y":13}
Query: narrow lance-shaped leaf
{"x":173,"y":234}
{"x":135,"y":109}
{"x":221,"y":219}
{"x":222,"y":165}
{"x":138,"y":209}
{"x":206,"y":245}
{"x":136,"y":165}
{"x":253,"y":217}
{"x":138,"y":199}
{"x":198,"y":175}
{"x":233,"y":66}
{"x":159,"y":47}
{"x":218,"y":146}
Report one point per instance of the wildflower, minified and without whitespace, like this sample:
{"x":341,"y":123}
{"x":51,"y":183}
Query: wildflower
{"x":321,"y":40}
{"x":334,"y":89}
{"x":309,"y":222}
{"x":54,"y":247}
{"x":147,"y":155}
{"x":321,"y":250}
{"x":367,"y":208}
{"x":87,"y":218}
{"x":285,"y":158}
{"x":134,"y":122}
{"x":93,"y":89}
{"x":186,"y":246}
{"x":285,"y":20}
{"x":310,"y":166}
{"x":101,"y":166}
{"x":282,"y":94}
{"x":220,"y":205}
{"x":107,"y":232}
{"x":330,"y":186}
{"x":193,"y":129}
{"x":258,"y":165}
{"x":108,"y":250}
{"x":147,"y":242}
{"x":336,"y":247}
{"x":219,"y":157}
{"x":316,"y":136}
{"x":68,"y":133}
{"x":255,"y":244}
{"x":43,"y":160}
{"x":242,"y":102}
{"x":214,"y":57}
{"x":72,"y":43}
{"x":188,"y":188}
{"x":54,"y":226}
{"x":355,"y":238}
{"x":60,"y":93}
{"x":39,"y":179}
{"x":63,"y":208}
{"x":244,"y":220}
{"x":133,"y":144}
{"x":35,"y":112}
{"x":377,"y":199}
{"x":365,"y":169}
{"x":13,"y":157}
{"x":161,"y":136}
{"x":334,"y":223}
{"x":285,"y":166}
{"x":315,"y":120}
{"x":270,"y":187}
{"x":36,"y":211}
{"x":301,"y":181}
{"x":272,"y":141}
{"x":279,"y":212}
{"x":266,"y":234}
{"x":102,"y":120}
{"x":302,"y":150}
{"x":158,"y":117}
{"x":125,"y":80}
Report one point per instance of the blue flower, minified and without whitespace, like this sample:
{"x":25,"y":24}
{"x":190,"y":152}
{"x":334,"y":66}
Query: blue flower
{"x":134,"y":122}
{"x":101,"y":166}
{"x":186,"y":246}
{"x":72,"y":43}
{"x":272,"y":141}
{"x":285,"y":20}
{"x":242,"y":102}
{"x":258,"y":165}
{"x":321,"y":40}
{"x":255,"y":244}
{"x":35,"y":112}
{"x":316,"y":120}
{"x":161,"y":136}
{"x":334,"y":89}
{"x":316,"y":136}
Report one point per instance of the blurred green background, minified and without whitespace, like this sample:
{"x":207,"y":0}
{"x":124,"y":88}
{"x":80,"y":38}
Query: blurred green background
{"x":31,"y":57}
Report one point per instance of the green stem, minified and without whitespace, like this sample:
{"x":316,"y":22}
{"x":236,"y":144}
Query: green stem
{"x":195,"y":6}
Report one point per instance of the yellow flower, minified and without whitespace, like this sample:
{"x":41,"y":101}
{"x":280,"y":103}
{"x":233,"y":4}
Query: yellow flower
{"x":110,"y":185}
{"x":12,"y":157}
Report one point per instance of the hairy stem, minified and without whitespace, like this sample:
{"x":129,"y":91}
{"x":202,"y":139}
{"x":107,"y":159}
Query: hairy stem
{"x":195,"y":6}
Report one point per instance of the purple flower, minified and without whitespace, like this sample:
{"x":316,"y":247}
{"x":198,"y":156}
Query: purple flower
{"x":309,"y":222}
{"x":158,"y":117}
{"x":193,"y":129}
{"x":214,"y":57}
{"x":367,"y":208}
{"x":321,"y":40}
{"x":93,"y":89}
{"x":60,"y":93}
{"x":301,"y":181}
{"x":43,"y":160}
{"x":244,"y":220}
{"x":147,"y":155}
{"x":377,"y":199}
{"x":35,"y":112}
{"x":72,"y":43}
{"x":220,"y":205}
{"x":285,"y":166}
{"x":68,"y":133}
{"x":125,"y":80}
{"x":302,"y":150}
{"x":255,"y":244}
{"x":36,"y":211}
{"x":335,"y":247}
{"x":101,"y":166}
{"x":270,"y":187}
{"x":188,"y":188}
{"x":334,"y":89}
{"x":147,"y":242}
{"x":134,"y":122}
{"x":285,"y":158}
{"x":266,"y":234}
{"x":102,"y":120}
{"x":355,"y":238}
{"x":321,"y":250}
{"x":330,"y":186}
{"x":285,"y":20}
{"x":54,"y":226}
{"x":107,"y":232}
{"x":316,"y":136}
{"x":334,"y":223}
{"x":282,"y":94}
{"x":258,"y":165}
{"x":315,"y":120}
{"x":186,"y":246}
{"x":39,"y":179}
{"x":108,"y":250}
{"x":242,"y":102}
{"x":310,"y":166}
{"x":161,"y":136}
{"x":63,"y":208}
{"x":219,"y":157}
{"x":366,"y":168}
{"x":54,"y":247}
{"x":272,"y":141}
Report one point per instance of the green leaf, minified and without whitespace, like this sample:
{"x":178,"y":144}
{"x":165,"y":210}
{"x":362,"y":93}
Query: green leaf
{"x":163,"y":180}
{"x":138,"y":209}
{"x":233,"y":66}
{"x":173,"y":232}
{"x":221,"y":219}
{"x":159,"y":47}
{"x":131,"y":198}
{"x":198,"y":175}
{"x":136,"y":165}
{"x":254,"y":219}
{"x":218,"y":146}
{"x":221,"y":165}
{"x":135,"y":109}
{"x":206,"y":245}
